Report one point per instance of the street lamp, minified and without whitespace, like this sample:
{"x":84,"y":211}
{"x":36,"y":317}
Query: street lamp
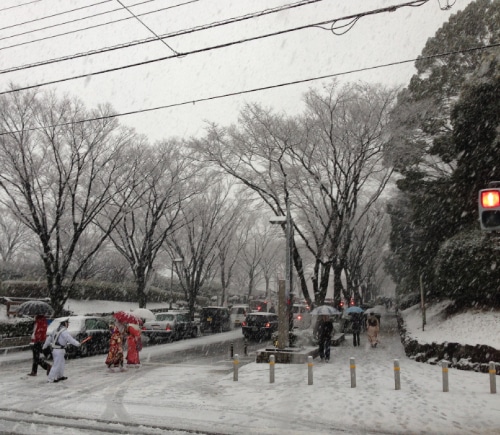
{"x":283,"y":301}
{"x":175,"y":261}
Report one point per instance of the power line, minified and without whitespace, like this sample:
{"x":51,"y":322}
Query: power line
{"x":219,"y":46}
{"x":85,"y":28}
{"x":18,"y":6}
{"x":253,"y":90}
{"x":165,"y":36}
{"x":54,"y":15}
{"x":147,"y":27}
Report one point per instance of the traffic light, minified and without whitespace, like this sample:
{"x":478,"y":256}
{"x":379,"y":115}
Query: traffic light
{"x":489,"y":209}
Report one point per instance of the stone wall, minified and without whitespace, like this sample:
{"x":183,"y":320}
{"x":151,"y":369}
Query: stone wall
{"x":460,"y":356}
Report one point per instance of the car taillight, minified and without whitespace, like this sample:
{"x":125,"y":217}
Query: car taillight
{"x":168,"y":328}
{"x":299,"y":317}
{"x":243,"y":323}
{"x":268,"y":325}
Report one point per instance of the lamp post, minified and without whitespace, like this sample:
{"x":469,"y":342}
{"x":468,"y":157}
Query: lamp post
{"x":175,"y":261}
{"x":283,"y":300}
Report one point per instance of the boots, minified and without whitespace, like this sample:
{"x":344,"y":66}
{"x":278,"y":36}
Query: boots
{"x":48,"y":369}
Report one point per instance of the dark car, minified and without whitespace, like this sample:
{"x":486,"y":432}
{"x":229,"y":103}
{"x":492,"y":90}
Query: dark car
{"x":82,"y":327}
{"x":260,"y":326}
{"x":170,"y":325}
{"x":215,"y":319}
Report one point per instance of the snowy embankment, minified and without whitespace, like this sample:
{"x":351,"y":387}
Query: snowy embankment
{"x":468,"y":340}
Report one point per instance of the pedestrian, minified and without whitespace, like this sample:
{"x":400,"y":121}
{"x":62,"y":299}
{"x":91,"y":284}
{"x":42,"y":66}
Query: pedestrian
{"x":58,"y":341}
{"x":37,"y":340}
{"x":134,"y":344}
{"x":356,"y":325}
{"x":115,"y":354}
{"x":324,"y":331}
{"x":272,"y":309}
{"x":372,"y":327}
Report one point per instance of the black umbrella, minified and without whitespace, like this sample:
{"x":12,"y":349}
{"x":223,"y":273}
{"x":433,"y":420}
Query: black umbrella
{"x":33,"y":308}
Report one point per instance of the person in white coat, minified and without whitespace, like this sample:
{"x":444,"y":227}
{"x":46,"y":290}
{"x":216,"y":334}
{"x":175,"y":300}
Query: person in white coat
{"x":58,"y":341}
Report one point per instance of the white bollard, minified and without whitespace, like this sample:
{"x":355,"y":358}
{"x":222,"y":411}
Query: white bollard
{"x":235,"y":367}
{"x":309,"y":370}
{"x":444,"y":365}
{"x":352,"y":365}
{"x":493,"y":378}
{"x":272,"y":359}
{"x":397,"y":375}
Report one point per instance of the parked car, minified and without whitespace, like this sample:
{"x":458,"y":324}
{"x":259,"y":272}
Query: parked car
{"x":301,"y":316}
{"x":170,"y":326}
{"x":238,"y":314}
{"x":81,"y":327}
{"x":215,"y":319}
{"x":259,"y":326}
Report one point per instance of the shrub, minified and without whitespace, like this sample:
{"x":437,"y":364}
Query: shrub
{"x":467,"y":268}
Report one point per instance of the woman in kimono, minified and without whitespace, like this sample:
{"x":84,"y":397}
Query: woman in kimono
{"x":372,"y":327}
{"x":134,"y":344}
{"x":115,"y":354}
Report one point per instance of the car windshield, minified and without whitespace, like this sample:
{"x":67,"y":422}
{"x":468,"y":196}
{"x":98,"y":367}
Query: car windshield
{"x":207,"y":312}
{"x":238,"y":310}
{"x":165,"y":317}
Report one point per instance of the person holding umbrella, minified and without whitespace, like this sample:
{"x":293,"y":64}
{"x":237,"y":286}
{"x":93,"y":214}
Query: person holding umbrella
{"x":37,"y":340}
{"x":58,"y":341}
{"x":134,"y":344}
{"x":323,"y":331}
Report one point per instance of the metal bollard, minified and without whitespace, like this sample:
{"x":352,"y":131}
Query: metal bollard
{"x":352,"y":365}
{"x":309,"y":370}
{"x":235,"y":367}
{"x":271,"y":369}
{"x":231,"y":351}
{"x":397,"y":375}
{"x":493,"y":378}
{"x":245,"y":347}
{"x":444,"y":365}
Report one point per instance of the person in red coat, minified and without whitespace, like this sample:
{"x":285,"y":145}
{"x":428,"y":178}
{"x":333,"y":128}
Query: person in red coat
{"x":37,"y":339}
{"x":134,"y":344}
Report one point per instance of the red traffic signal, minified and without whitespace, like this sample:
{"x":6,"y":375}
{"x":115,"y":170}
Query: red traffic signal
{"x":489,"y":209}
{"x":490,"y":198}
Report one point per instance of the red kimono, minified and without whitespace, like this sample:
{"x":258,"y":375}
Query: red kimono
{"x":115,"y":354}
{"x":133,"y":344}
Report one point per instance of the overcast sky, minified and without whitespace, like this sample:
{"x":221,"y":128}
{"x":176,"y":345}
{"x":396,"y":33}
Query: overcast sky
{"x":27,"y":37}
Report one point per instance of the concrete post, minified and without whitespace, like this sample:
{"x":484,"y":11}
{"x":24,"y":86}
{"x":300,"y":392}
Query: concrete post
{"x":309,"y":370}
{"x":352,"y":365}
{"x":444,"y":365}
{"x":397,"y":375}
{"x":493,"y":378}
{"x":245,"y":347}
{"x":235,"y":367}
{"x":271,"y":369}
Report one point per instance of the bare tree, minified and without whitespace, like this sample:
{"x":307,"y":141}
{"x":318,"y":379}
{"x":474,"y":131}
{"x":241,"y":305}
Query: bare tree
{"x":203,"y":224}
{"x":13,"y":235}
{"x":152,"y":209}
{"x":58,"y":175}
{"x":326,"y":165}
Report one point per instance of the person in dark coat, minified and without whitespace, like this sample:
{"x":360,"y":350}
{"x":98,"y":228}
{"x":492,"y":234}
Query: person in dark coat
{"x":37,"y":340}
{"x":356,"y":324}
{"x":324,"y":331}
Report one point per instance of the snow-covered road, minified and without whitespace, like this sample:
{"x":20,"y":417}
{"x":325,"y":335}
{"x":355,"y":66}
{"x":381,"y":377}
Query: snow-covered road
{"x":184,"y":397}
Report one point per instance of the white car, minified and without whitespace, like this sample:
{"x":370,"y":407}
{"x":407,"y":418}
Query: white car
{"x":302,"y":317}
{"x":238,"y":314}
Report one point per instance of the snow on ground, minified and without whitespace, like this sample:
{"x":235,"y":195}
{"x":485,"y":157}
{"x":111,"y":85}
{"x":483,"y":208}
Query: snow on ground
{"x":200,"y":396}
{"x":471,"y":327}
